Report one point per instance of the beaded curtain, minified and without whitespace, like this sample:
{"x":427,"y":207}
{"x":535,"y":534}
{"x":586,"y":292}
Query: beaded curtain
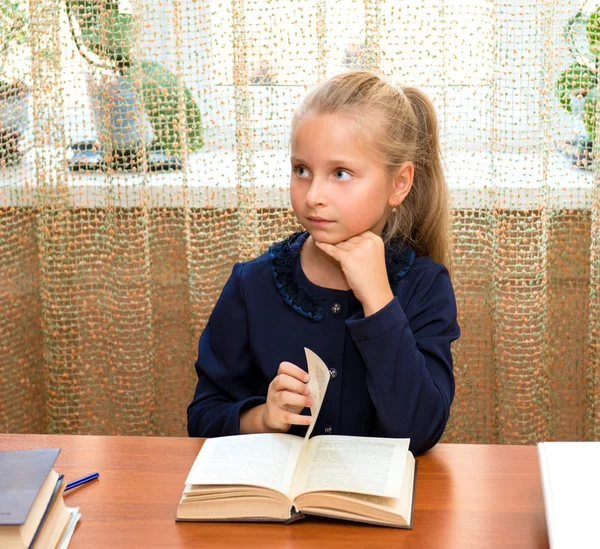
{"x":144,"y":150}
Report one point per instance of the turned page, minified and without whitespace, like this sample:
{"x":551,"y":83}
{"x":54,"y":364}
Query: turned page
{"x":317,"y":383}
{"x":364,"y":465}
{"x":264,"y":459}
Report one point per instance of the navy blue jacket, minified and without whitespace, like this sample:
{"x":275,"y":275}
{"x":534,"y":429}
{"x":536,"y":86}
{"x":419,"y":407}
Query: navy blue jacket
{"x":391,"y":373}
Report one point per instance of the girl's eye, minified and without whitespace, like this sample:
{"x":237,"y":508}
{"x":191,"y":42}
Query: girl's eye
{"x":343,"y":175}
{"x":301,"y":171}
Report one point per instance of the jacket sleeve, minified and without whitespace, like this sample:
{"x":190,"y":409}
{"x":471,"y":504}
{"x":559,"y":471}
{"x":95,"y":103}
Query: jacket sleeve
{"x":228,"y":379}
{"x":408,"y":360}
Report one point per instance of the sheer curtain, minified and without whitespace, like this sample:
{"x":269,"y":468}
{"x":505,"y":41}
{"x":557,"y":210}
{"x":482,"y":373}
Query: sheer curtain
{"x":108,"y":275}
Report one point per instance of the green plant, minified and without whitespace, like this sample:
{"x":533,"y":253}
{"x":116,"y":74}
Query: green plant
{"x":577,"y":85}
{"x":14,"y":31}
{"x":105,"y":38}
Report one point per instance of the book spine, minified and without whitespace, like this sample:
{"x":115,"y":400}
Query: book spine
{"x":55,"y":494}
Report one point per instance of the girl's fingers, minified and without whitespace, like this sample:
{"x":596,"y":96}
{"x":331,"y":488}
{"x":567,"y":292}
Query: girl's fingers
{"x":330,"y":250}
{"x":346,"y":245}
{"x":293,"y":399}
{"x":358,"y":238}
{"x":296,"y":419}
{"x":292,"y":370}
{"x":283,"y":382}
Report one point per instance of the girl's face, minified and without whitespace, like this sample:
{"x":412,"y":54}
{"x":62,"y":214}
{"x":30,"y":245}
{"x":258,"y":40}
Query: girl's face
{"x":338,"y":188}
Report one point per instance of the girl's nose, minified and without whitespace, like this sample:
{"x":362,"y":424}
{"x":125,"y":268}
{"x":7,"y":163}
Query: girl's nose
{"x":316,"y":195}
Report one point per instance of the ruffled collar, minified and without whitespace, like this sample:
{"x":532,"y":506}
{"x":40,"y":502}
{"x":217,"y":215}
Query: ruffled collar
{"x":399,"y":258}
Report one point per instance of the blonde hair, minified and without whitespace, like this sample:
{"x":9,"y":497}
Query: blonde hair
{"x":406,"y":130}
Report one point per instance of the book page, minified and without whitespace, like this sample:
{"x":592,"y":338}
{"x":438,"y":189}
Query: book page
{"x":68,"y":532}
{"x":392,"y":511}
{"x":317,"y":384}
{"x":364,"y":465}
{"x":264,"y":459}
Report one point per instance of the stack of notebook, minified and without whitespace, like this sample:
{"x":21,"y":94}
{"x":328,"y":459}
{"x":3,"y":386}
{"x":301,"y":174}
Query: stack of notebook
{"x":32,"y":510}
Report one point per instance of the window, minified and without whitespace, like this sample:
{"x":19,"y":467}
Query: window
{"x":487,"y":65}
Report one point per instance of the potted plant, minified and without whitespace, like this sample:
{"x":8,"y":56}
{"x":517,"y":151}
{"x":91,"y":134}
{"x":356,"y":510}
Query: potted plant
{"x":135,"y":101}
{"x":577,"y":85}
{"x":14,"y":93}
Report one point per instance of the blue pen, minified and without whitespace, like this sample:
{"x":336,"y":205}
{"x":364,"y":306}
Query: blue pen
{"x":82,"y":480}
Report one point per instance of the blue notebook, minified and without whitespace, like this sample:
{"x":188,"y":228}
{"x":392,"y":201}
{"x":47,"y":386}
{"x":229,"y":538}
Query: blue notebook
{"x":28,"y":486}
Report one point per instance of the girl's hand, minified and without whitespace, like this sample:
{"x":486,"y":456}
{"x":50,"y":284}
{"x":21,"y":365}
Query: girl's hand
{"x":362,"y":259}
{"x":286,"y":398}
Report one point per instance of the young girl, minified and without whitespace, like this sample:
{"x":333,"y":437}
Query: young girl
{"x":364,"y":286}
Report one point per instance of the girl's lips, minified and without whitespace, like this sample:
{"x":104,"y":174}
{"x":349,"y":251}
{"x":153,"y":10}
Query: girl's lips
{"x":319,"y":220}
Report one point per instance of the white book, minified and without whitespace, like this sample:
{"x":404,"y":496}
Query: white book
{"x":570,"y":474}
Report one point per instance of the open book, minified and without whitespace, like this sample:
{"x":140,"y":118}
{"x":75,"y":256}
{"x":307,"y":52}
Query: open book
{"x":281,"y":477}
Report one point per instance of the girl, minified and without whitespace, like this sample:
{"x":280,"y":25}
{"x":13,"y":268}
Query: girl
{"x":364,"y":286}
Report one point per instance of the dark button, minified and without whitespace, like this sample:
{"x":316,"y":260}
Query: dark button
{"x":336,"y":308}
{"x":328,"y":430}
{"x":332,"y":373}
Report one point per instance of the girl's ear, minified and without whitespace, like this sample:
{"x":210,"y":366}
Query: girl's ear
{"x":403,"y":180}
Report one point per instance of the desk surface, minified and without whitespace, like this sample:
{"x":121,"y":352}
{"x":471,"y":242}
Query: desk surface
{"x":466,"y":496}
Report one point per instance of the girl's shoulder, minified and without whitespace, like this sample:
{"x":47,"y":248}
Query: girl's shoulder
{"x":424,"y":263}
{"x":424,"y":268}
{"x":427,"y":279}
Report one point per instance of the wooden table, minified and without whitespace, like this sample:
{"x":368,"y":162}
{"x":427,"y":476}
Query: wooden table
{"x":480,"y":496}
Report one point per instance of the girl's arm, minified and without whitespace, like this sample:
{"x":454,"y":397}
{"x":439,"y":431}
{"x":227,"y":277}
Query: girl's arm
{"x":408,"y":360}
{"x":228,"y":380}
